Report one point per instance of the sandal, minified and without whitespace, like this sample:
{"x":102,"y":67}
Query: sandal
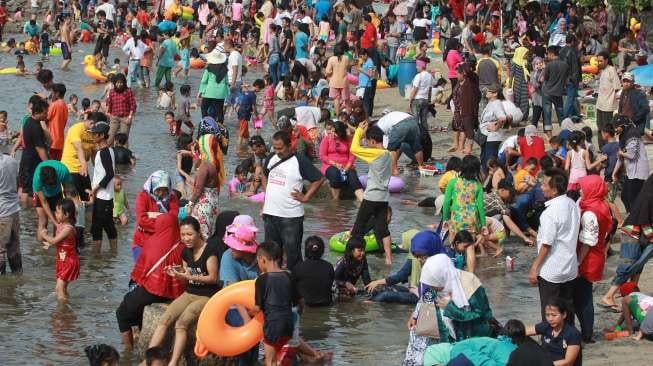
{"x":611,"y":308}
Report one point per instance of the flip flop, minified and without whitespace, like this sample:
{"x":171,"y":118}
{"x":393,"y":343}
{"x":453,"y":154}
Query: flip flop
{"x":611,"y":308}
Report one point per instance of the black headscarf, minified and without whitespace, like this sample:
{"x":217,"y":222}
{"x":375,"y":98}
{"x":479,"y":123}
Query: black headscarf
{"x":224,"y":219}
{"x":642,"y":211}
{"x":219,"y":70}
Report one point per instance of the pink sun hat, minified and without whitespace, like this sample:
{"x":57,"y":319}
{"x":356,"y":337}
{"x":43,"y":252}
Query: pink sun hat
{"x":243,"y":239}
{"x":242,"y":220}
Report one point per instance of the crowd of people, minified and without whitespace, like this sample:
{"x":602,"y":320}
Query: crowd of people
{"x":507,"y":66}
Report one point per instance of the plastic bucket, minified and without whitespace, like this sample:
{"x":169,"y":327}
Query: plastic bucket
{"x":405,"y":74}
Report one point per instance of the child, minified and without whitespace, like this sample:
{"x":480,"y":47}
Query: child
{"x":275,"y":295}
{"x":492,"y":236}
{"x":268,"y":102}
{"x":102,"y":192}
{"x":80,"y":223}
{"x":463,"y":245}
{"x":578,"y":161}
{"x":535,"y":86}
{"x":120,"y":203}
{"x":72,"y":105}
{"x":325,"y":29}
{"x":115,"y":68}
{"x":239,"y":186}
{"x":172,"y":123}
{"x":438,"y":93}
{"x":157,"y":356}
{"x":525,"y":177}
{"x":246,"y":109}
{"x":20,"y":65}
{"x":186,"y":155}
{"x":184,"y":55}
{"x":375,"y":199}
{"x":86,"y":106}
{"x":6,"y":135}
{"x":102,"y":355}
{"x":451,"y":170}
{"x":166,"y":99}
{"x":184,"y":108}
{"x":45,"y":42}
{"x":37,"y":68}
{"x":146,"y":60}
{"x":560,"y":340}
{"x":122,"y":154}
{"x":610,"y":151}
{"x":558,"y":151}
{"x":67,"y":260}
{"x":314,"y":276}
{"x":350,"y":268}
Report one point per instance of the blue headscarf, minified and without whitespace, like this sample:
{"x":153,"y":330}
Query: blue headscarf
{"x":426,"y":243}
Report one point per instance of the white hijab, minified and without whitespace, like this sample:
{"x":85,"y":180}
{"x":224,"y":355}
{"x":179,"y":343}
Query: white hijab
{"x":529,"y":132}
{"x":439,"y":271}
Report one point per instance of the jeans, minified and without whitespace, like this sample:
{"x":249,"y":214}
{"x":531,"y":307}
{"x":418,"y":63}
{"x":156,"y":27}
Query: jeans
{"x":523,"y":204}
{"x":274,"y":69}
{"x":368,"y":101}
{"x":547,"y":112}
{"x":630,"y":191}
{"x":288,"y":232}
{"x":162,"y":71}
{"x":145,"y":75}
{"x":490,"y":150}
{"x":214,"y":108}
{"x":248,"y":358}
{"x":234,"y":94}
{"x":636,"y":255}
{"x":133,"y":72}
{"x":570,"y":101}
{"x":283,"y":69}
{"x":420,"y":109}
{"x":392,"y":53}
{"x":395,"y":294}
{"x":584,"y":306}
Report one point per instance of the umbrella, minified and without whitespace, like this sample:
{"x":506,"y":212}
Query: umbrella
{"x":643,"y":75}
{"x":401,"y":9}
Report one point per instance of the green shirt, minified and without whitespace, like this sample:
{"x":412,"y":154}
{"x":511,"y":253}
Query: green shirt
{"x":118,"y":203}
{"x":209,"y":88}
{"x":63,"y":176}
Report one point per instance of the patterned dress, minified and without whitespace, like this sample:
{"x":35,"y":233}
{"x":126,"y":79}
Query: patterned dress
{"x":520,"y":89}
{"x":206,"y":210}
{"x":417,"y":344}
{"x":463,"y":205}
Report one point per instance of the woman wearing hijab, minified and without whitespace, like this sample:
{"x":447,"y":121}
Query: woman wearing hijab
{"x":632,"y":161}
{"x":452,"y":57}
{"x":530,"y":145}
{"x":519,"y":80}
{"x":595,"y":225}
{"x":466,"y":98}
{"x":208,"y":178}
{"x":154,"y":200}
{"x":224,"y":219}
{"x":150,"y":283}
{"x":214,"y":88}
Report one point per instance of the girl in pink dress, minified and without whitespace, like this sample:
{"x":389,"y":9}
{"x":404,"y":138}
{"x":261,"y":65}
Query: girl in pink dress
{"x":67,"y":259}
{"x":577,"y":162}
{"x":268,"y":103}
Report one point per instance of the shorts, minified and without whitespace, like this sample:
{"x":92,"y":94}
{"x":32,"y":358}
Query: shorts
{"x":406,"y":131}
{"x":339,"y":93}
{"x":103,"y":220}
{"x":55,"y":154}
{"x":52,"y":201}
{"x":243,"y":128}
{"x":102,"y":46}
{"x":65,"y":51}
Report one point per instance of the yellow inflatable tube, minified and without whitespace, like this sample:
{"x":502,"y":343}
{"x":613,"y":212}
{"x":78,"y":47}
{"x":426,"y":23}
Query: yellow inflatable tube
{"x":8,"y":71}
{"x":214,"y":335}
{"x":91,"y":71}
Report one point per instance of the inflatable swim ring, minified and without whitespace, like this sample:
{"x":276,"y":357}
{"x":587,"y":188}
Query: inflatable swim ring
{"x":167,"y":26}
{"x":187,"y":13}
{"x":259,"y":197}
{"x":590,"y":69}
{"x":381,"y":84}
{"x":395,"y":185}
{"x":353,"y":79}
{"x":85,"y":36}
{"x":197,"y":63}
{"x":212,"y":330}
{"x":91,"y":71}
{"x":8,"y":71}
{"x":338,"y":243}
{"x":55,"y":51}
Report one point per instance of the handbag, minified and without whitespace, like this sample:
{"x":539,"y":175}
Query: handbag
{"x":479,"y":137}
{"x":427,"y":321}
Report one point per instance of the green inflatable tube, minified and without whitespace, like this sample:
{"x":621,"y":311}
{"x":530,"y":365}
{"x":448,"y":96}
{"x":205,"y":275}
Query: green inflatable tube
{"x":337,"y":243}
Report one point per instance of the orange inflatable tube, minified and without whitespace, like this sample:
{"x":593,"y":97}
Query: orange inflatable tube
{"x":214,"y":335}
{"x":590,"y":69}
{"x":197,"y":63}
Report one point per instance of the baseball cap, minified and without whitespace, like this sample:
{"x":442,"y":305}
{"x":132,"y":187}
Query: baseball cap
{"x":99,"y":127}
{"x":256,"y":140}
{"x":284,"y":123}
{"x":628,"y":76}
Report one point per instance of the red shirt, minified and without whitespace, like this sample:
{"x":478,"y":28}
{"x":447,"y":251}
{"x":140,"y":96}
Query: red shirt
{"x":146,"y":226}
{"x":143,"y":18}
{"x":368,"y":39}
{"x":121,"y":104}
{"x":57,"y":119}
{"x":457,"y":9}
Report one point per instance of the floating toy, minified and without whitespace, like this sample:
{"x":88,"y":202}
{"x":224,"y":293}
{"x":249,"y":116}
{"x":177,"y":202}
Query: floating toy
{"x":167,"y":26}
{"x":197,"y":63}
{"x":259,"y":197}
{"x":85,"y":37}
{"x":215,"y":335}
{"x":338,"y":243}
{"x":8,"y":71}
{"x":435,"y":45}
{"x":55,"y":51}
{"x":382,"y":84}
{"x":91,"y":70}
{"x":395,"y":185}
{"x":352,"y":79}
{"x":187,"y":13}
{"x":30,"y":47}
{"x":589,"y":69}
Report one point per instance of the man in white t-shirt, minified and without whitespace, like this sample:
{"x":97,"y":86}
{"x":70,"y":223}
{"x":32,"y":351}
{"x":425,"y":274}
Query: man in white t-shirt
{"x":556,"y":266}
{"x":420,"y":98}
{"x":401,"y":134}
{"x":234,"y":71}
{"x":283,"y":210}
{"x":108,"y":8}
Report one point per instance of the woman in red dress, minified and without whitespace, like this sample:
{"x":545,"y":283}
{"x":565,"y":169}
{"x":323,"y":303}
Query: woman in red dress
{"x":67,"y":259}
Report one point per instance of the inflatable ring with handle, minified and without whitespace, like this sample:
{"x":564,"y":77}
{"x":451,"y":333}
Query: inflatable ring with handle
{"x":214,"y":335}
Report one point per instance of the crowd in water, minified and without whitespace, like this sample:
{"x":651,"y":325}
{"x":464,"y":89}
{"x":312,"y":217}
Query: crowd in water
{"x":569,"y":194}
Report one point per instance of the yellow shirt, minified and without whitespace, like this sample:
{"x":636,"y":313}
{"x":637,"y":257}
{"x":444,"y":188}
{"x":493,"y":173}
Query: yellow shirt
{"x":76,"y":133}
{"x":521,"y":176}
{"x":446,"y":177}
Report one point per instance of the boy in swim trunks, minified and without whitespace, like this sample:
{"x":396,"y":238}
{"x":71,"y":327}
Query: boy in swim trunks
{"x":66,"y":41}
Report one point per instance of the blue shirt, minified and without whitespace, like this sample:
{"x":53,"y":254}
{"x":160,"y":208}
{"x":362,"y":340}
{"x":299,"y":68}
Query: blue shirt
{"x":247,"y":101}
{"x":322,"y":9}
{"x":232,"y":271}
{"x":31,"y":30}
{"x":184,"y":55}
{"x":301,"y":45}
{"x":168,"y":57}
{"x":364,"y":80}
{"x":610,"y":149}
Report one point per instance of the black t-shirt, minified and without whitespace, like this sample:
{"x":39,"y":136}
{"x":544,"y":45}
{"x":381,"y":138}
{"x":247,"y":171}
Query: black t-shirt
{"x":529,"y":353}
{"x":314,"y":280}
{"x":288,"y":37}
{"x":122,"y":155}
{"x":557,"y":346}
{"x":33,"y":137}
{"x":275,"y":295}
{"x":198,"y":268}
